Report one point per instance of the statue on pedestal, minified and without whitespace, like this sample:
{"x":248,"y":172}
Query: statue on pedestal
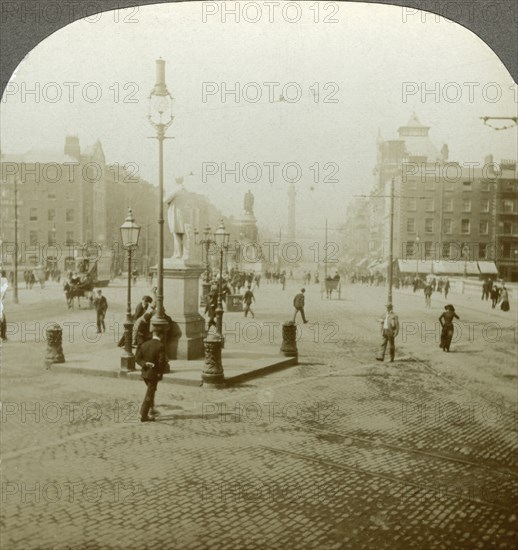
{"x":177,"y":215}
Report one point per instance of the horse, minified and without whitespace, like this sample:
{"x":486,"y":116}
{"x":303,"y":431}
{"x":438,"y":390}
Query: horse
{"x":81,"y":290}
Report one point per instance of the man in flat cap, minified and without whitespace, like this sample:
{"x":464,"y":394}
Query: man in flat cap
{"x":389,"y":330}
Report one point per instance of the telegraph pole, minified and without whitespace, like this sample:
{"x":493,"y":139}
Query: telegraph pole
{"x":15,"y":258}
{"x":391,"y":239}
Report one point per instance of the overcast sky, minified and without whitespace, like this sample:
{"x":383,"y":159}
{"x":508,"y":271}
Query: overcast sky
{"x":369,"y":54}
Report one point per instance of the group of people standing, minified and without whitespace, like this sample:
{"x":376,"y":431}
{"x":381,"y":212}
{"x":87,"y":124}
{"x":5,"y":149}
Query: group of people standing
{"x":497,"y":293}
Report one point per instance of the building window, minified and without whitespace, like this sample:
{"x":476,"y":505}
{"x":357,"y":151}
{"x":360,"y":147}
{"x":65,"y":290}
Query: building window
{"x":484,"y":205}
{"x":446,"y":250}
{"x":482,"y":250}
{"x":70,"y":215}
{"x":428,"y":249}
{"x":465,"y":227}
{"x":70,"y":238}
{"x":429,"y":205}
{"x":410,"y":250}
{"x":33,"y":238}
{"x":51,"y":214}
{"x":484,"y":227}
{"x":448,"y":227}
{"x":33,"y":215}
{"x":51,"y":195}
{"x":448,"y":204}
{"x":428,"y":225}
{"x":466,"y":205}
{"x":410,"y":225}
{"x":508,"y":228}
{"x":412,"y":205}
{"x":411,"y":183}
{"x":508,"y":206}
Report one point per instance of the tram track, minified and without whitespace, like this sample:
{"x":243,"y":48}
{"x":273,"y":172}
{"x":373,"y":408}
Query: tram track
{"x":387,"y":477}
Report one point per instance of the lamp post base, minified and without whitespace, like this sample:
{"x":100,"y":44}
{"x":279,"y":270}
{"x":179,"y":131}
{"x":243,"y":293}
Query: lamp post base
{"x":212,"y":375}
{"x":128,"y":363}
{"x":161,"y":326}
{"x":289,"y":339}
{"x":128,"y":359}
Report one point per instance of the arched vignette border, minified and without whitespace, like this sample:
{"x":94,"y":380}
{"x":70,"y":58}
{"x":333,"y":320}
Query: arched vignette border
{"x":17,"y":38}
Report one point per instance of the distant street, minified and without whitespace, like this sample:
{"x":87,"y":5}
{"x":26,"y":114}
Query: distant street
{"x":339,"y":452}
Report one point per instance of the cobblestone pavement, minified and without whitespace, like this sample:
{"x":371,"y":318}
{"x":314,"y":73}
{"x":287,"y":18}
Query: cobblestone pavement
{"x":338,"y":452}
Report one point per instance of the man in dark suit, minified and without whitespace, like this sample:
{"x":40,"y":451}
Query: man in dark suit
{"x":101,"y":305}
{"x":298,"y":304}
{"x":152,"y":359}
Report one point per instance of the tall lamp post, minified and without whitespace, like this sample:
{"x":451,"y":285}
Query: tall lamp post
{"x":417,"y":257}
{"x":15,"y":257}
{"x":129,"y":235}
{"x":465,"y":254}
{"x":213,"y":374}
{"x":221,"y":238}
{"x":160,"y":116}
{"x":205,"y":243}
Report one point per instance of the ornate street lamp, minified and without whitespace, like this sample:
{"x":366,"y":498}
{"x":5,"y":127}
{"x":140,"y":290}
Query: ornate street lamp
{"x":160,"y":117}
{"x":212,"y":374}
{"x":129,"y":235}
{"x":206,"y":242}
{"x":221,"y":237}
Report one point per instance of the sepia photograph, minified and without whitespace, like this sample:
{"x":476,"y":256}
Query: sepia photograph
{"x":259,"y":277}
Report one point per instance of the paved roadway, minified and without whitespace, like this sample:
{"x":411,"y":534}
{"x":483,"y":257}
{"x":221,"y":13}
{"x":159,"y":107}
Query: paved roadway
{"x":338,"y":452}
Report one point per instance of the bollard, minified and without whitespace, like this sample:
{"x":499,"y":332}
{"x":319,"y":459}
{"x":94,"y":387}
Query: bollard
{"x":212,"y":374}
{"x":289,"y":339}
{"x":54,"y":346}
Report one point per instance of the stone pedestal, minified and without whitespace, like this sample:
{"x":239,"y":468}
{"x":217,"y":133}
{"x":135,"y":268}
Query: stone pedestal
{"x":181,"y":299}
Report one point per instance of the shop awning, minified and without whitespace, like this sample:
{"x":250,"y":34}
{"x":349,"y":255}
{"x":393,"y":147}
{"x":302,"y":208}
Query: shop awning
{"x":362,"y":263}
{"x":380,"y":267}
{"x":458,"y":267}
{"x":413,"y":266}
{"x":487,"y":268}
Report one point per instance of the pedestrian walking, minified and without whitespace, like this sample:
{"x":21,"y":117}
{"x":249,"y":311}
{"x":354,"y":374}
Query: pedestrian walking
{"x":248,"y":298}
{"x":446,"y":287}
{"x":428,"y":295}
{"x":142,"y":328}
{"x":151,"y":357}
{"x":389,"y":331}
{"x":504,"y":296}
{"x":485,"y":290}
{"x":282,"y":280}
{"x":4,"y":285}
{"x":446,"y":320}
{"x":495,"y":295}
{"x":100,"y":305}
{"x":298,"y":303}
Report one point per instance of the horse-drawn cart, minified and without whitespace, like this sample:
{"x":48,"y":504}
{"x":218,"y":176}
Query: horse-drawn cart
{"x":331,"y":284}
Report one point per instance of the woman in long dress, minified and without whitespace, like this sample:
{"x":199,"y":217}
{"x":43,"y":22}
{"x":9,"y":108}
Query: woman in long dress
{"x":504,"y":296}
{"x":446,"y":320}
